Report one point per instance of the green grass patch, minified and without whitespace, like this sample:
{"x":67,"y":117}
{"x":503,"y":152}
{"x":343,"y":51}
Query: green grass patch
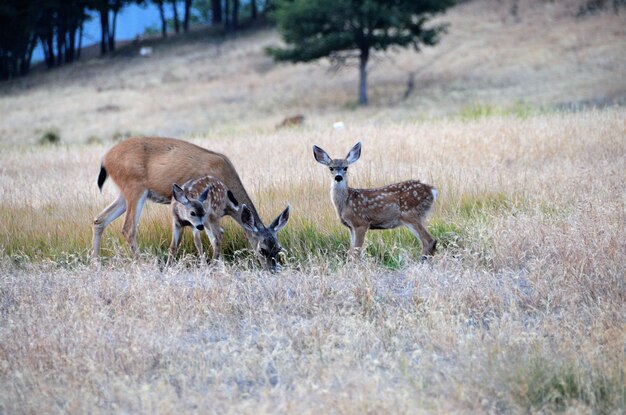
{"x":57,"y":236}
{"x":51,"y":136}
{"x":546,"y":385}
{"x":519,"y":109}
{"x":476,"y":206}
{"x":448,"y":235}
{"x":479,"y":207}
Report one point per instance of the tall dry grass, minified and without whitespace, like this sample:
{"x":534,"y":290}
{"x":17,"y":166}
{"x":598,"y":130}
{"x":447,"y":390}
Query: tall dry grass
{"x":521,"y":310}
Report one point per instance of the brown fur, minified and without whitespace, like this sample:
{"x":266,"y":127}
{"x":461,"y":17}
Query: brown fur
{"x":147,"y":167}
{"x":400,"y":204}
{"x":387,"y":207}
{"x":214,"y":207}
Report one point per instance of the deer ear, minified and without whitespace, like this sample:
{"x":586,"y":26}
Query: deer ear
{"x":247,"y":220}
{"x":233,"y":201}
{"x":204,"y":196}
{"x":179,"y":194}
{"x":354,"y":154}
{"x":321,"y":156}
{"x":281,"y":220}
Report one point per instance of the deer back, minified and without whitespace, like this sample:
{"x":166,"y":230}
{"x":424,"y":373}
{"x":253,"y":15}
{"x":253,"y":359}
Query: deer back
{"x":156,"y":163}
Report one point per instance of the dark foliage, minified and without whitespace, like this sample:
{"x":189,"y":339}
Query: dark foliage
{"x":345,"y":29}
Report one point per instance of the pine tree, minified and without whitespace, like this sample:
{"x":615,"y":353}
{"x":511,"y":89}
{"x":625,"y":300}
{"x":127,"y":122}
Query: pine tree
{"x":344,"y":30}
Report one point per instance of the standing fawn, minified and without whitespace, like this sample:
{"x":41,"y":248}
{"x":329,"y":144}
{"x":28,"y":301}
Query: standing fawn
{"x":200,"y":203}
{"x":147,"y":168}
{"x":406,"y":203}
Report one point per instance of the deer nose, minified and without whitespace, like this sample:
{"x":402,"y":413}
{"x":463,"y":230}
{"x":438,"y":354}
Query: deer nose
{"x":338,"y":179}
{"x":200,"y":227}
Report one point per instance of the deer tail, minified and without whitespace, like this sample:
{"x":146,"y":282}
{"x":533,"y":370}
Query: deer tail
{"x":102,"y":177}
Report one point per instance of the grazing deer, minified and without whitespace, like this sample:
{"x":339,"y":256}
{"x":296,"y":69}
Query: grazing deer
{"x":200,"y":203}
{"x":406,"y":203}
{"x":147,"y":168}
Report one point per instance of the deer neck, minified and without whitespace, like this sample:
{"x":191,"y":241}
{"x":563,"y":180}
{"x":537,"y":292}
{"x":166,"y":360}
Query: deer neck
{"x":233,"y":183}
{"x":339,"y":194}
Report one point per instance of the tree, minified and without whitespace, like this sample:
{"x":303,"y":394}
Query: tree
{"x":175,"y":18}
{"x":235,"y":19}
{"x":23,"y":23}
{"x":188,"y":4}
{"x":18,"y":36}
{"x":253,"y":10}
{"x":104,"y":7}
{"x":216,"y":8}
{"x":161,"y":7}
{"x":344,"y":30}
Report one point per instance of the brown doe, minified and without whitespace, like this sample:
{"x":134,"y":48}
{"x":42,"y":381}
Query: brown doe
{"x":147,"y":168}
{"x":406,"y":203}
{"x":200,"y":204}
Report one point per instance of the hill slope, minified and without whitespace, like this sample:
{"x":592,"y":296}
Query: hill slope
{"x":544,"y":56}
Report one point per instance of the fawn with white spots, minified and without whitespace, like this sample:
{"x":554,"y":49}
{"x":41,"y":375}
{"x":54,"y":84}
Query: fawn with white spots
{"x":147,"y":168}
{"x":406,"y":203}
{"x":200,"y":203}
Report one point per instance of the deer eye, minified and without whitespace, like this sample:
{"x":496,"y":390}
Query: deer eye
{"x":331,"y":169}
{"x":193,"y":213}
{"x":345,"y":169}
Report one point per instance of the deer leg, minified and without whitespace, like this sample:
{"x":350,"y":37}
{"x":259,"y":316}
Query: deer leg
{"x":197,"y":241}
{"x":352,"y":238}
{"x":176,"y":232}
{"x":129,"y":230}
{"x":214,"y":232}
{"x":358,"y":238}
{"x":428,"y":242}
{"x":108,"y":215}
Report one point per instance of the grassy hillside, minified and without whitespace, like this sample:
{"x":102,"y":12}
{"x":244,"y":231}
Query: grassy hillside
{"x":490,"y":60}
{"x":520,"y":311}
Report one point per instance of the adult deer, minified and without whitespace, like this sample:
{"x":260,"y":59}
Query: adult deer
{"x":406,"y":203}
{"x":147,"y":168}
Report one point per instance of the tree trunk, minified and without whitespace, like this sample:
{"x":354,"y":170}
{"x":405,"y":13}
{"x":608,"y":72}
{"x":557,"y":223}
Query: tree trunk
{"x":235,"y":14}
{"x":163,"y":20}
{"x":47,"y":43}
{"x":60,"y":38}
{"x":116,"y":9}
{"x":216,"y":11}
{"x":187,"y":13}
{"x":227,"y":14}
{"x":4,"y":72}
{"x":70,"y":50}
{"x":104,"y":26}
{"x":80,"y":38}
{"x":255,"y":12}
{"x":25,"y":64}
{"x":175,"y":10}
{"x":363,"y":76}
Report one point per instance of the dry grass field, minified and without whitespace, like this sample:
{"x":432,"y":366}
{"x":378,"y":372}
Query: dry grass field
{"x":522,"y":310}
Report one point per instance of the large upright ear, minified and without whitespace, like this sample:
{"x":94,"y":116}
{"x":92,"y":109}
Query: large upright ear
{"x":179,"y":194}
{"x":247,"y":220}
{"x":354,"y":154}
{"x":281,"y":220}
{"x":321,"y":156}
{"x":205,"y":195}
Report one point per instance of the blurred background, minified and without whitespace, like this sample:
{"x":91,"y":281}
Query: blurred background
{"x":95,"y":71}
